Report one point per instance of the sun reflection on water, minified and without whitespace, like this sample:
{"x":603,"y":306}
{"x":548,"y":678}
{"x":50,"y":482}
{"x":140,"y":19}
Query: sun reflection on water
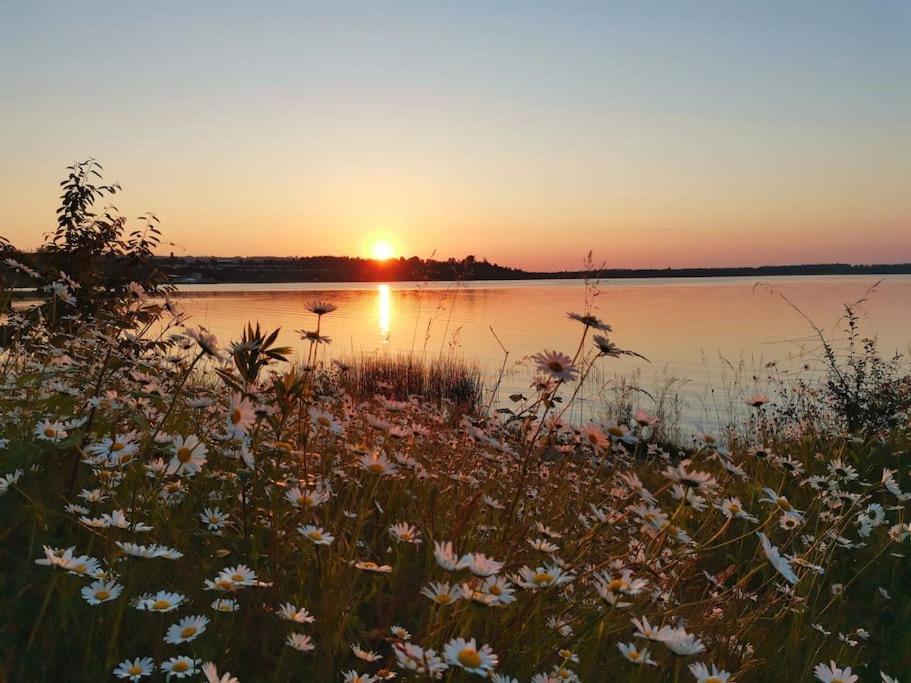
{"x":384,"y":310}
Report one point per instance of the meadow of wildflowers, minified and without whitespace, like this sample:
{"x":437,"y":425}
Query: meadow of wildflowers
{"x":174,"y":506}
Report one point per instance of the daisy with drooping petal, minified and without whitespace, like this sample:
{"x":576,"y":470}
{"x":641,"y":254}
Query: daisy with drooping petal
{"x":366,"y":655}
{"x":756,"y":401}
{"x":210,"y":671}
{"x":314,"y":337}
{"x":82,"y":565}
{"x":646,"y":630}
{"x":185,"y":630}
{"x":325,"y":420}
{"x":442,"y":593}
{"x":241,"y":416}
{"x":353,"y":676}
{"x":149,"y":551}
{"x":405,"y":533}
{"x":590,"y":320}
{"x":481,"y":565}
{"x":320,"y":308}
{"x":414,"y":658}
{"x":377,"y":463}
{"x":595,"y":437}
{"x":368,"y":566}
{"x":306,"y":498}
{"x":703,"y":675}
{"x":180,"y":667}
{"x":445,"y":557}
{"x":777,"y":560}
{"x":466,"y":655}
{"x":557,"y":365}
{"x":214,"y":518}
{"x":189,"y":456}
{"x":207,"y":341}
{"x":608,"y":348}
{"x":832,"y":674}
{"x":101,"y":591}
{"x":225,"y":605}
{"x":300,"y":642}
{"x":400,"y":632}
{"x":299,"y":615}
{"x":493,"y":591}
{"x":635,"y":655}
{"x":543,"y":577}
{"x":135,"y":669}
{"x":316,"y":535}
{"x":47,"y":430}
{"x":162,"y":601}
{"x":543,"y":545}
{"x":680,"y":642}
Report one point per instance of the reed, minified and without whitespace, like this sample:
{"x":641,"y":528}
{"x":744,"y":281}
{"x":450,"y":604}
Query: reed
{"x":402,"y":375}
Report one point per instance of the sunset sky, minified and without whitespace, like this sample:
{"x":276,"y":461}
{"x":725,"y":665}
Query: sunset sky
{"x":654,"y":133}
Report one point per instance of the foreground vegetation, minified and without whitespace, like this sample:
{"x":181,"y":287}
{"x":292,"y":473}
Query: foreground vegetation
{"x":174,"y":507}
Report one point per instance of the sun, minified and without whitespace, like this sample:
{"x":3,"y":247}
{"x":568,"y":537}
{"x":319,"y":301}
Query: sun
{"x":382,"y":251}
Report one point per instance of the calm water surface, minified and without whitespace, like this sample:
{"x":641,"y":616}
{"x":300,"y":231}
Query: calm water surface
{"x":692,"y":328}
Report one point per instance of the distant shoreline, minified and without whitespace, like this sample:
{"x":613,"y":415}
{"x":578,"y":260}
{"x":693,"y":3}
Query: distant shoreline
{"x":317,"y":269}
{"x":211,"y":270}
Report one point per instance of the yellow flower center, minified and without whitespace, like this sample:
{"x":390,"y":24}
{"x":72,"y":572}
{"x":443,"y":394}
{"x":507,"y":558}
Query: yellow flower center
{"x":542,"y":577}
{"x":617,"y":584}
{"x":117,"y":446}
{"x":184,"y":454}
{"x":237,"y":577}
{"x":444,"y":598}
{"x":50,"y":432}
{"x":496,"y":590}
{"x":135,"y":670}
{"x":615,"y":431}
{"x":315,"y":535}
{"x":377,"y":468}
{"x":469,"y":658}
{"x":324,"y":421}
{"x":161,"y":604}
{"x":102,"y":595}
{"x":180,"y":666}
{"x":236,"y":416}
{"x":188,"y":631}
{"x":633,"y":655}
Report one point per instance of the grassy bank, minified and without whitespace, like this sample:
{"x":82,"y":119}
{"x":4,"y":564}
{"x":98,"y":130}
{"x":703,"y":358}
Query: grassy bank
{"x":262,"y":488}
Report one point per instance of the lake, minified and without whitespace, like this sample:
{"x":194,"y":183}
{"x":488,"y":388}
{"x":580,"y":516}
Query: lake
{"x":697,"y":329}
